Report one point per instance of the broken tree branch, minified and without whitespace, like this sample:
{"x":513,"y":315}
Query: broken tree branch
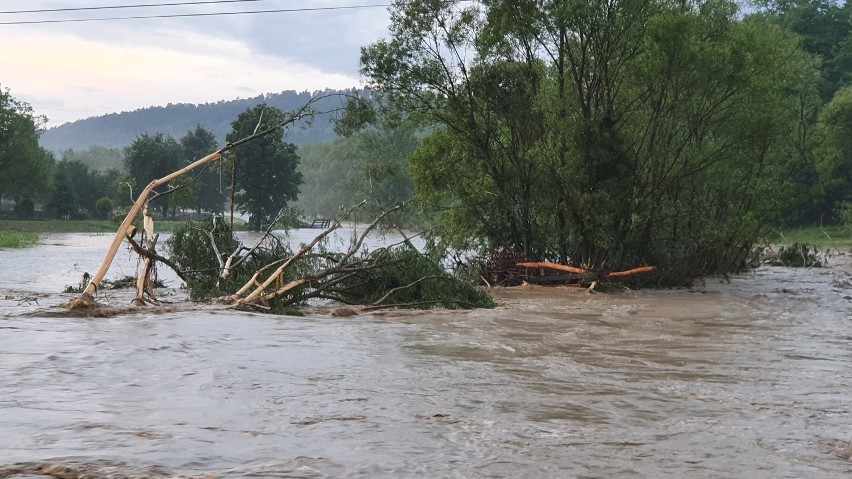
{"x":95,"y":282}
{"x":137,"y":248}
{"x":278,"y":272}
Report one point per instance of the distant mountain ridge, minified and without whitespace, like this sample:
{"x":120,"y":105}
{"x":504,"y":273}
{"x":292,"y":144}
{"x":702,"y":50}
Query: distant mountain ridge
{"x":118,"y":130}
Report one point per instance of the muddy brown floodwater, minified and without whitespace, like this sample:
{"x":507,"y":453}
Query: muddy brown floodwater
{"x":749,"y":378}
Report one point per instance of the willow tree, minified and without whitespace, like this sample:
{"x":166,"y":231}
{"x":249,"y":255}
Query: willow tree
{"x":602,"y":133}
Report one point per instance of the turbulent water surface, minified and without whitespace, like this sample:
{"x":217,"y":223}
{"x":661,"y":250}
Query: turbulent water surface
{"x":747,"y":378}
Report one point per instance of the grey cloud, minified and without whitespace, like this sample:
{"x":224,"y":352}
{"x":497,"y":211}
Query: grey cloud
{"x":329,"y":40}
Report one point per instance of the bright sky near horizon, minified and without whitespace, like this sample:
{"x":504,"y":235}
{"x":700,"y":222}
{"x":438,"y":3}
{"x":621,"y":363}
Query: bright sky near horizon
{"x":69,"y":71}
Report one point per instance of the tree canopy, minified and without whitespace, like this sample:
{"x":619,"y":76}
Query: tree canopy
{"x":267,"y":175}
{"x":604,"y":134}
{"x":151,"y":157}
{"x":823,"y":27}
{"x":370,"y":164}
{"x":25,"y":167}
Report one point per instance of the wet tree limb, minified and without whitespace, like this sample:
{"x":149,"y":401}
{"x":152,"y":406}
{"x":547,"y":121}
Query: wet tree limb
{"x":147,"y":253}
{"x":280,"y":270}
{"x":86,"y":298}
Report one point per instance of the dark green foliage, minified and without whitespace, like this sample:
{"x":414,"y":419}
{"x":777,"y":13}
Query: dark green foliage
{"x":358,"y":113}
{"x":835,"y":161}
{"x":104,"y":208}
{"x":420,"y":281}
{"x":150,"y":158}
{"x":213,"y":179}
{"x":604,"y":135}
{"x":25,"y":167}
{"x":824,"y":28}
{"x":25,"y":209}
{"x":77,"y":190}
{"x":396,"y":276}
{"x":266,"y":169}
{"x":191,"y":249}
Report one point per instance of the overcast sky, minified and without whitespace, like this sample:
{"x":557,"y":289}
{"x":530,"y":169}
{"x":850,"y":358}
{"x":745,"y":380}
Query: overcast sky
{"x":69,"y":71}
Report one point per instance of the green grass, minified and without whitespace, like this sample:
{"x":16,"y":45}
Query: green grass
{"x":81,"y":226}
{"x":16,"y":239}
{"x":57,"y":226}
{"x":839,"y":237}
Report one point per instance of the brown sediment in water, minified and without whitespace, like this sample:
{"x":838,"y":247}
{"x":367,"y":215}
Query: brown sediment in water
{"x":746,"y":377}
{"x":71,"y":470}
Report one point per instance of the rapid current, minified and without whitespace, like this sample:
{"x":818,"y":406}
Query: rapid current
{"x":749,"y":377}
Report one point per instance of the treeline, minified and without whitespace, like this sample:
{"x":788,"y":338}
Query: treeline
{"x":820,"y":150}
{"x":69,"y":188}
{"x":263,"y":178}
{"x":266,"y":175}
{"x":118,"y":130}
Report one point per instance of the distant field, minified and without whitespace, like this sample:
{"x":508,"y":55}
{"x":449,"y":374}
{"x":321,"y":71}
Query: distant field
{"x":826,"y":237}
{"x":57,"y":226}
{"x":77,"y":226}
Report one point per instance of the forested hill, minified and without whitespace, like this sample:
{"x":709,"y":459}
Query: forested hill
{"x":117,"y":130}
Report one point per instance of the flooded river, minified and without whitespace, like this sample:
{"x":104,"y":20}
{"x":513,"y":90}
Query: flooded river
{"x":749,"y":378}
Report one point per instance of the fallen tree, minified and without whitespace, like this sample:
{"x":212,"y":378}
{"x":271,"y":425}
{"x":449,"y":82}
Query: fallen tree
{"x":269,"y":276}
{"x":86,"y":298}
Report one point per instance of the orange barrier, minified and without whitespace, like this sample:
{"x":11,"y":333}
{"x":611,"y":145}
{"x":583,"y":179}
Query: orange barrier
{"x":571,"y":269}
{"x":549,"y":265}
{"x":621,"y":274}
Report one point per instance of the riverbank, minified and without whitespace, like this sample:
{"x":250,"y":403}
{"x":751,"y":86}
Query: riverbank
{"x":24,"y":233}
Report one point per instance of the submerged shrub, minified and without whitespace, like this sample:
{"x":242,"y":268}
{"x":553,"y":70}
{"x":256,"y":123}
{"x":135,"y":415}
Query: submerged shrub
{"x":396,"y":276}
{"x":402,"y":277}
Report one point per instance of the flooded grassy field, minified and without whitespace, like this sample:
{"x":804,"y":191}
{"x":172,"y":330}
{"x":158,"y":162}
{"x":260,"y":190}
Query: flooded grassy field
{"x":745,"y":378}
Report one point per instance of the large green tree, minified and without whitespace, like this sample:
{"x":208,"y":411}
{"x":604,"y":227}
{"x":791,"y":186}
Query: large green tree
{"x":24,"y":166}
{"x":151,"y":157}
{"x":603,"y":133}
{"x":267,"y":177}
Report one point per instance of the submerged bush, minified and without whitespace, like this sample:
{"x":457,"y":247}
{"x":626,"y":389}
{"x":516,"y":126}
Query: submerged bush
{"x":397,"y":276}
{"x":409,"y":279}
